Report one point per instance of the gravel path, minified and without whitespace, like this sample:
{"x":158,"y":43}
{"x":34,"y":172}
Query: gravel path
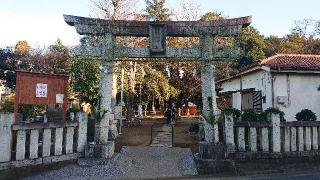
{"x":131,"y":162}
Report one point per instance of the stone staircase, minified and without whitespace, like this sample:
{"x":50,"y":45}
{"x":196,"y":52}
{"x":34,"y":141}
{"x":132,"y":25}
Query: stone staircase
{"x":162,"y":136}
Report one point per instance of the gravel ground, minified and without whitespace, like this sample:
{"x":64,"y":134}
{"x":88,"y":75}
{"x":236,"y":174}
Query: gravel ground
{"x":131,"y":162}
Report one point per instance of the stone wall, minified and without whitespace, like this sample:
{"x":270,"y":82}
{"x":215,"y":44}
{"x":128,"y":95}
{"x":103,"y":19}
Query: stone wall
{"x":56,"y":144}
{"x":271,"y":137}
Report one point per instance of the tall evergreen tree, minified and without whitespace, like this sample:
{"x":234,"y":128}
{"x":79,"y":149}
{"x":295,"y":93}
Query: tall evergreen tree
{"x":157,"y":11}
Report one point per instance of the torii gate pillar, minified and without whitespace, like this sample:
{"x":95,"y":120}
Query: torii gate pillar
{"x":107,"y":77}
{"x":208,"y":86}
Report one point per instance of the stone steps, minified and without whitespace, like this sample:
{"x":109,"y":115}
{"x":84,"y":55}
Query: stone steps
{"x":163,"y":138}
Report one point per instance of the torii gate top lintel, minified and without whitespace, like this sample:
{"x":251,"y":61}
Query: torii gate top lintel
{"x":157,"y":31}
{"x":94,"y":26}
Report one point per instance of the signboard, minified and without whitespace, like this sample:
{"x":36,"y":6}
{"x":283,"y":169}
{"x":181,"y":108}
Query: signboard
{"x":157,"y":39}
{"x":59,"y":98}
{"x":41,"y":90}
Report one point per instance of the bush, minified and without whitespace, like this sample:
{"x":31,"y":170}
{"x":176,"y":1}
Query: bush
{"x":249,"y":115}
{"x":235,"y":112}
{"x":8,"y":104}
{"x":306,"y":115}
{"x":31,"y":111}
{"x":264,"y":115}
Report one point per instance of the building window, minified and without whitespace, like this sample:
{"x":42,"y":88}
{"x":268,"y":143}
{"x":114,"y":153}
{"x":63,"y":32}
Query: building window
{"x":251,"y":100}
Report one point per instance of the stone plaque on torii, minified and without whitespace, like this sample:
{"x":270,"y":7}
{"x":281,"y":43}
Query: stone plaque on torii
{"x":157,"y":31}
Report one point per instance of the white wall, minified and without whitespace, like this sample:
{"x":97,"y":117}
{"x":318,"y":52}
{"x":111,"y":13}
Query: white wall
{"x":300,"y":92}
{"x":236,"y":100}
{"x":259,"y":80}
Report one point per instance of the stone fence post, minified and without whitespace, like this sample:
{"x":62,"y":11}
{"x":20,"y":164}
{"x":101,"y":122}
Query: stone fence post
{"x":276,"y":135}
{"x":82,"y":118}
{"x":6,"y":121}
{"x":229,"y":132}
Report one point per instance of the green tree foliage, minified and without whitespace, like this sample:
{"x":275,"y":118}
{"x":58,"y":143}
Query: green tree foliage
{"x":85,"y":78}
{"x":189,"y":85}
{"x":60,"y":56}
{"x":252,"y":45}
{"x":157,"y":11}
{"x":55,"y":60}
{"x":7,"y":74}
{"x":294,"y":43}
{"x":303,"y":39}
{"x":273,"y":45}
{"x":157,"y":82}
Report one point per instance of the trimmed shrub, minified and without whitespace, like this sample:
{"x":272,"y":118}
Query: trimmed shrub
{"x":264,"y":115}
{"x":306,"y":115}
{"x":249,"y":115}
{"x":235,"y":112}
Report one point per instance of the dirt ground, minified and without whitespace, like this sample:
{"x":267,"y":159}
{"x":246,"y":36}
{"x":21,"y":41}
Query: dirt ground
{"x":141,"y":135}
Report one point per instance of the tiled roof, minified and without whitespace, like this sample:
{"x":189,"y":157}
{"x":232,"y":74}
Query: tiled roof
{"x":296,"y":62}
{"x":293,"y":62}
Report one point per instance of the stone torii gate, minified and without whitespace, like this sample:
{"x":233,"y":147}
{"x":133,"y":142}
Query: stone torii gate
{"x":157,"y":31}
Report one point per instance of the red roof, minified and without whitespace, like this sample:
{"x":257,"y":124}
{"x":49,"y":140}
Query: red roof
{"x":293,"y":62}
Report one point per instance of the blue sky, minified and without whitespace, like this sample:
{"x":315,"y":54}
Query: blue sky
{"x":40,"y":22}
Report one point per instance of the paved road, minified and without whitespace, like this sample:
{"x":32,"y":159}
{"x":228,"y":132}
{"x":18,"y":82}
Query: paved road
{"x":307,"y":176}
{"x":304,"y":176}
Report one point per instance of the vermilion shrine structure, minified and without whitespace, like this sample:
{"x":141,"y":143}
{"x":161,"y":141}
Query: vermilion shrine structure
{"x":157,"y":31}
{"x":40,"y":89}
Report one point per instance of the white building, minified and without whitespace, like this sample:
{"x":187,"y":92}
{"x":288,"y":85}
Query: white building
{"x":289,"y":82}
